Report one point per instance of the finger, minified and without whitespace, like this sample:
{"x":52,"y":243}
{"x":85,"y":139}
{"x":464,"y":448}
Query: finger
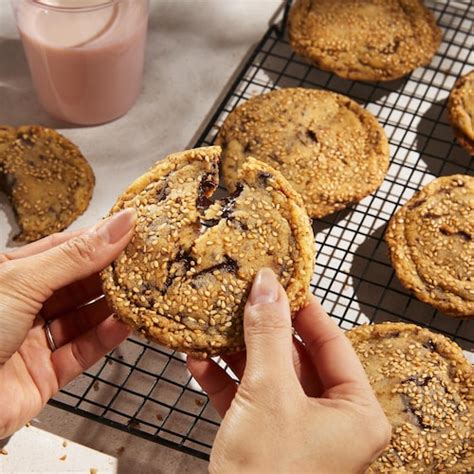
{"x":267,"y":331}
{"x":236,"y":363}
{"x":75,"y":357}
{"x":70,"y":326}
{"x":39,"y":246}
{"x":330,"y":351}
{"x":220,"y":388}
{"x":71,"y":296}
{"x":75,"y":259}
{"x":304,"y":368}
{"x":306,"y":371}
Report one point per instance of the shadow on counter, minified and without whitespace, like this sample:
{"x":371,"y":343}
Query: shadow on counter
{"x":382,"y":297}
{"x":437,"y":145}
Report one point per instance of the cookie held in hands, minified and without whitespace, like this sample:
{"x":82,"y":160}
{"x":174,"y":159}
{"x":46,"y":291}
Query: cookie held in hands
{"x":46,"y":177}
{"x":184,"y":278}
{"x":431,"y":244}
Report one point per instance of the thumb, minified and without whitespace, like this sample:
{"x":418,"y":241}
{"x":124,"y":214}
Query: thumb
{"x":267,"y":330}
{"x":77,"y":258}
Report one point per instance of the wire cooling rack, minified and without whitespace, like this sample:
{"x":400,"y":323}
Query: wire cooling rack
{"x":145,"y":389}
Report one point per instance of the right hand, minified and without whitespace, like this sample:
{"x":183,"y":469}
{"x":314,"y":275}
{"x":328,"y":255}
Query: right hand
{"x":299,"y":407}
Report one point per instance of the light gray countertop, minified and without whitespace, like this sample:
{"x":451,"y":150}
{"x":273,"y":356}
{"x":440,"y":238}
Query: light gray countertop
{"x":194,"y":48}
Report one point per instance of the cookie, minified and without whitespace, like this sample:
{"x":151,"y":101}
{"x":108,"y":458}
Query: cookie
{"x":184,"y":278}
{"x":461,"y":111}
{"x":331,"y":150}
{"x":48,"y":181}
{"x":426,"y":388}
{"x":369,"y":40}
{"x":431,"y":244}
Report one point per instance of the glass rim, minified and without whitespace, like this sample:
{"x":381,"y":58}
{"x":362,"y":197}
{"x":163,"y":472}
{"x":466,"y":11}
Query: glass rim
{"x":74,"y":9}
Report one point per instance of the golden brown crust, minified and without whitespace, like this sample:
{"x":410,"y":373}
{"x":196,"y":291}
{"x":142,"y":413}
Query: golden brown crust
{"x":331,"y":150}
{"x":431,"y":244}
{"x":426,"y":388}
{"x":371,"y":40}
{"x":184,"y":277}
{"x":461,"y":111}
{"x":47,"y":179}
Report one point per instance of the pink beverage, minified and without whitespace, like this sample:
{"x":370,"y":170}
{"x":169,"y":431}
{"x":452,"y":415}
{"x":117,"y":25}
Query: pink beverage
{"x":85,"y":56}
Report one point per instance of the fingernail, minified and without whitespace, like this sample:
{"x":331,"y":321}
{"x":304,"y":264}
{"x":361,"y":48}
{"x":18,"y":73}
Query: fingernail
{"x":112,"y":229}
{"x":265,"y":288}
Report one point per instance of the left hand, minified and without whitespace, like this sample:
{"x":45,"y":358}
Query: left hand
{"x":51,"y":280}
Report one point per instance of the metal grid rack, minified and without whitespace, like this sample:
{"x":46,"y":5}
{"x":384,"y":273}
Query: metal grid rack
{"x":146,"y":390}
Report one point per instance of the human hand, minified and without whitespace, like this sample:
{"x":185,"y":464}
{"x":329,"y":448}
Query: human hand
{"x":299,"y":407}
{"x":57,"y":276}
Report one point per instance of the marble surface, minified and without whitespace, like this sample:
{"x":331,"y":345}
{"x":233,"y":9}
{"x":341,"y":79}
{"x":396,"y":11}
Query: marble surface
{"x":194,"y":48}
{"x":48,"y":452}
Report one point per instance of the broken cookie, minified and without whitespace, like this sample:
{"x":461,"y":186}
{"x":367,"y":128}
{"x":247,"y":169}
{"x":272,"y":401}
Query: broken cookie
{"x":184,"y":278}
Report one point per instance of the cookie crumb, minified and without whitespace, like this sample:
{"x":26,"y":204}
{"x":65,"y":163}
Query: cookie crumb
{"x":63,"y":457}
{"x":198,"y":402}
{"x":27,"y":424}
{"x":134,"y":424}
{"x":3,"y":451}
{"x":96,"y":386}
{"x":120,"y":450}
{"x":93,"y":470}
{"x":64,"y":444}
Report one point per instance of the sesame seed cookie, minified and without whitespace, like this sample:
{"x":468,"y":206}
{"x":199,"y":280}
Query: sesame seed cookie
{"x":330,"y":149}
{"x":47,"y":179}
{"x":184,"y":278}
{"x":369,"y":40}
{"x":461,"y":111}
{"x":426,"y":388}
{"x":431,"y":244}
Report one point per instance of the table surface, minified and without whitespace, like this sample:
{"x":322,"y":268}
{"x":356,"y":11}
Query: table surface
{"x":194,"y":48}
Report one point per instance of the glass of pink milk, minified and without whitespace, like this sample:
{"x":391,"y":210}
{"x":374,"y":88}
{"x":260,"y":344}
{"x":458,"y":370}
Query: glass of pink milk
{"x":85,"y":56}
